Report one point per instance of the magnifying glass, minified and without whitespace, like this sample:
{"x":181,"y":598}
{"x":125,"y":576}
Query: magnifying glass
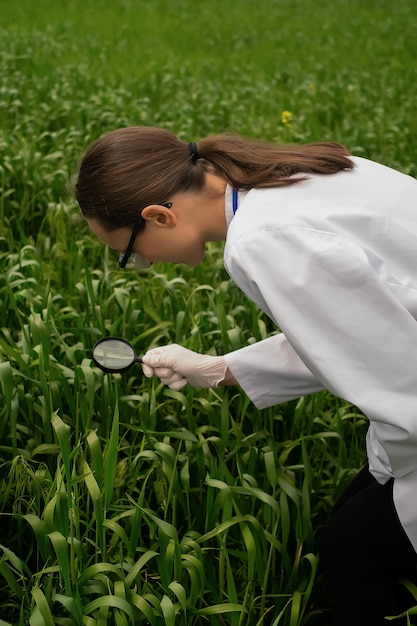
{"x":114,"y":355}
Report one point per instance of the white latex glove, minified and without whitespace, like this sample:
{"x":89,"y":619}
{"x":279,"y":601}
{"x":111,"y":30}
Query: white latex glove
{"x":176,"y":366}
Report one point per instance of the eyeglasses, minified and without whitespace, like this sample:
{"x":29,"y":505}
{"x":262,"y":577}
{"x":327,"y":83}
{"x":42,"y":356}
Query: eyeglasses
{"x":132,"y":260}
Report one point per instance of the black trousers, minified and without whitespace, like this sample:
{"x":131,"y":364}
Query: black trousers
{"x":363,"y":551}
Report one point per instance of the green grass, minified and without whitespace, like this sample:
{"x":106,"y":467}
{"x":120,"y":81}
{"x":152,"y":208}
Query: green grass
{"x":122,"y":502}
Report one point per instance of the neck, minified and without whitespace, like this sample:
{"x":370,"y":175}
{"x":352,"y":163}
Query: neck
{"x":213,"y":216}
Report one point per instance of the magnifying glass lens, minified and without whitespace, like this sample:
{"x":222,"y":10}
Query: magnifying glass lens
{"x":114,"y":355}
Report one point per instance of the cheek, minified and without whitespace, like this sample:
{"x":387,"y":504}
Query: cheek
{"x":156,"y":247}
{"x":171,"y":246}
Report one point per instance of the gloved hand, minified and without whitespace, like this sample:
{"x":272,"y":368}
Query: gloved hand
{"x":176,"y":366}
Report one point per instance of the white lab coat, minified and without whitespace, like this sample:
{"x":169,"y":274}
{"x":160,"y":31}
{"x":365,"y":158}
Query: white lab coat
{"x":333,"y":262}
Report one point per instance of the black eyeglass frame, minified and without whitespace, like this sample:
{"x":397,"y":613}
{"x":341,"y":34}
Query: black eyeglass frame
{"x":124,"y":257}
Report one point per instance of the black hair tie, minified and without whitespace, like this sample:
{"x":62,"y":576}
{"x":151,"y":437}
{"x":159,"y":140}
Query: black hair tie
{"x":192,"y":149}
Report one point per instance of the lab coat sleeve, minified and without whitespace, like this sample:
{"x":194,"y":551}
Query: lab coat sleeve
{"x":345,"y":324}
{"x":270,"y":372}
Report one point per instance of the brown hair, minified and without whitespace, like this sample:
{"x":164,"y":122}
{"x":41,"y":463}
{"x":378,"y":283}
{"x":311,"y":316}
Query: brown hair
{"x":131,"y":168}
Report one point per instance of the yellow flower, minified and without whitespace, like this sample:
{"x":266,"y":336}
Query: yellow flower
{"x":286,"y":118}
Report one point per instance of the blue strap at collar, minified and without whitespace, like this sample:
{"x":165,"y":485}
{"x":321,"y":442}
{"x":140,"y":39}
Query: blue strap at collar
{"x":234,"y":201}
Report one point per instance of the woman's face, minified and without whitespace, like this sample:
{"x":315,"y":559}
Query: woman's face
{"x":162,"y":240}
{"x":176,"y":232}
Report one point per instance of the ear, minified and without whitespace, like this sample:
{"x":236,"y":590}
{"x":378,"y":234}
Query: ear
{"x":159,"y":215}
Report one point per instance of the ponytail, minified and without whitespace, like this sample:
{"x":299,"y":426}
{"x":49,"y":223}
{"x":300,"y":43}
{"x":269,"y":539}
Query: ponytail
{"x":250,"y":163}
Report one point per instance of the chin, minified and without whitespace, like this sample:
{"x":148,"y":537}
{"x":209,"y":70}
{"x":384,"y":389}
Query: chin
{"x":196,"y":262}
{"x":195,"y":259}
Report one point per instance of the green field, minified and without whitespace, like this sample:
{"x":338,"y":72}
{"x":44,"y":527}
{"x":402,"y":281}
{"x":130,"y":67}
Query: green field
{"x":123,"y":502}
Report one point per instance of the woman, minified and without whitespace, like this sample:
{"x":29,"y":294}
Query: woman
{"x":326,"y":244}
